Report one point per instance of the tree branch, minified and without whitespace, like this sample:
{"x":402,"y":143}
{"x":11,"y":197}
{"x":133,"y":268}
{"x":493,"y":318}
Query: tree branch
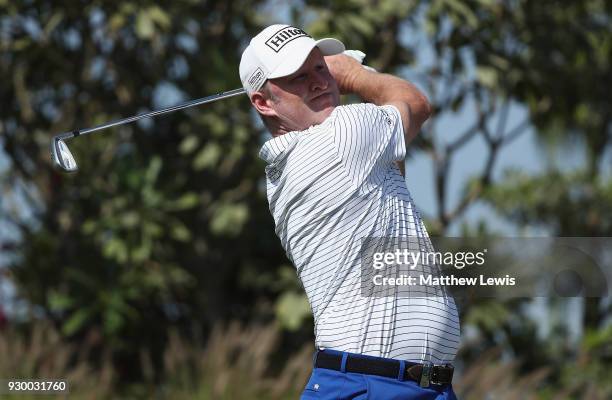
{"x":483,"y":182}
{"x":503,"y":118}
{"x":515,"y":132}
{"x":466,"y":136}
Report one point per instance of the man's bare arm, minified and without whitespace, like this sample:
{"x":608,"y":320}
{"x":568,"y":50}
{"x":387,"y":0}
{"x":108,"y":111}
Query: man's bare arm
{"x":381,"y":89}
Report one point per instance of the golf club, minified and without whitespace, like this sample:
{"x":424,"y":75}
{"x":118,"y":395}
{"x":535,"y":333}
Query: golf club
{"x":62,"y":157}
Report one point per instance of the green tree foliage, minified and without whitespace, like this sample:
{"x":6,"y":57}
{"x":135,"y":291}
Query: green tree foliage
{"x":555,"y":59}
{"x":164,"y":217}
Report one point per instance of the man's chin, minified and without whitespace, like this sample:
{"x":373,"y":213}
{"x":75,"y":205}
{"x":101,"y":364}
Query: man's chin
{"x":326,"y":105}
{"x":325,"y":112}
{"x":324,"y":101}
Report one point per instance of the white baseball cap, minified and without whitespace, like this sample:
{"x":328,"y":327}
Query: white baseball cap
{"x":277,"y":51}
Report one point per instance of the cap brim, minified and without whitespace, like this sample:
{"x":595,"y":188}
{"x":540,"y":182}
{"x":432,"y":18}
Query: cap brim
{"x":328,"y":46}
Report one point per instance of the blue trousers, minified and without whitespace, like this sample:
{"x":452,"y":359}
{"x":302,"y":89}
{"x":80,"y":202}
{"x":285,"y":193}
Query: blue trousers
{"x":327,"y":384}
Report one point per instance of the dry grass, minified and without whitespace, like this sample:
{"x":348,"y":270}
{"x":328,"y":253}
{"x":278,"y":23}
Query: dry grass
{"x":235,"y":363}
{"x":43,"y":355}
{"x":489,"y":377}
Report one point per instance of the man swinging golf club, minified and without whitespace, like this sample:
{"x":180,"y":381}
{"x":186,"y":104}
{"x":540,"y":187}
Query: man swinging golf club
{"x":334,"y":179}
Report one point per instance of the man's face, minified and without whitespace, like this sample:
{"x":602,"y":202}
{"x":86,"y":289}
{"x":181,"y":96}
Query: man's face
{"x":307,"y":96}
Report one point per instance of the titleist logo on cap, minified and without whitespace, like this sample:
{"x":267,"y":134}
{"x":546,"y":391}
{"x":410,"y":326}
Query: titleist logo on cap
{"x":284,"y":36}
{"x":256,"y":78}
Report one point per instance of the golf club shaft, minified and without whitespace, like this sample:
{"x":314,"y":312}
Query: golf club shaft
{"x":192,"y":103}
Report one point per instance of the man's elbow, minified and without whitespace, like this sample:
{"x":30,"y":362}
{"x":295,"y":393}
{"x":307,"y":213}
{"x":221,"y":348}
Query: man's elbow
{"x":423,"y":110}
{"x":417,"y":113}
{"x":420,"y":108}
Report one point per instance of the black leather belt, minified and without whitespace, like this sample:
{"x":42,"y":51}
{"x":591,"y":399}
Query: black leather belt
{"x":424,"y":374}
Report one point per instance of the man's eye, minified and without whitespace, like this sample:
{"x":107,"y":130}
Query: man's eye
{"x":300,"y":77}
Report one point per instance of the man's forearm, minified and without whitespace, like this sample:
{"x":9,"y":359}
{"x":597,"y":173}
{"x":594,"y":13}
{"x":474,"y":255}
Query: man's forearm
{"x":380,"y":89}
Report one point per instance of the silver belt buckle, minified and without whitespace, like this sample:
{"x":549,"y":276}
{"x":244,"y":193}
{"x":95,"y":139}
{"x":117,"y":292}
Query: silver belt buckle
{"x":426,"y":374}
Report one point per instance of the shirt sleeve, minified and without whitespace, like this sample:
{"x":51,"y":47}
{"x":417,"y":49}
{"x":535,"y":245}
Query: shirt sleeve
{"x":369,"y":140}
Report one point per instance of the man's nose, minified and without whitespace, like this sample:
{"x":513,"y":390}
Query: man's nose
{"x":319,"y":81}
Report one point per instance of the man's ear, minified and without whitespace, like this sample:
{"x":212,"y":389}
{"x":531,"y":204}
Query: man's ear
{"x":262,"y":104}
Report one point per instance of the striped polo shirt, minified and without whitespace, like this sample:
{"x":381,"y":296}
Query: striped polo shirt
{"x":331,"y":187}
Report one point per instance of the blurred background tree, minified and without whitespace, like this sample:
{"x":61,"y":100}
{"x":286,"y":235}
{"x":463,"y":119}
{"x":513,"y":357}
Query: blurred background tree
{"x":165,"y":229}
{"x":165,"y":219}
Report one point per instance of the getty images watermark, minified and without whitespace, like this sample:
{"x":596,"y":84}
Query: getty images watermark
{"x":489,"y":267}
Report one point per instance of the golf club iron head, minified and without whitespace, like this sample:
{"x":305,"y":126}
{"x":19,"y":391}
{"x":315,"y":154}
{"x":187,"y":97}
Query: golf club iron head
{"x":61,"y":155}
